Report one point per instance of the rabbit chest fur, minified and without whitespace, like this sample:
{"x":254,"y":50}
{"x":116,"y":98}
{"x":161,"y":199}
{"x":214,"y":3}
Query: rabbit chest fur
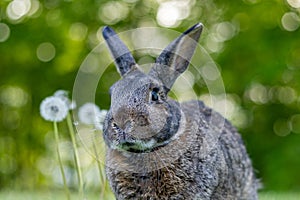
{"x":210,"y":168}
{"x":158,"y":148}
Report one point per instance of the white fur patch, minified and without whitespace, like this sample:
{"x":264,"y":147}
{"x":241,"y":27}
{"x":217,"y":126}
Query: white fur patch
{"x":140,"y":144}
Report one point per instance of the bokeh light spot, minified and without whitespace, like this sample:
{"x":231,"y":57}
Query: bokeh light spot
{"x":13,"y":96}
{"x":45,"y":52}
{"x":257,"y":93}
{"x":78,"y":31}
{"x":18,"y":8}
{"x":212,"y":43}
{"x":286,"y":95}
{"x":45,"y":166}
{"x":290,"y":21}
{"x":282,"y":127}
{"x":225,"y":31}
{"x":35,"y":7}
{"x":225,"y":106}
{"x":4,"y":32}
{"x":210,"y":72}
{"x":168,"y":14}
{"x":294,"y":3}
{"x":113,"y":12}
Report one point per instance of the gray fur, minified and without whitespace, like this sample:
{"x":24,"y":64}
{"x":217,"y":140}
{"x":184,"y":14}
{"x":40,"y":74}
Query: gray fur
{"x":122,"y":56}
{"x":160,"y":149}
{"x":175,"y":58}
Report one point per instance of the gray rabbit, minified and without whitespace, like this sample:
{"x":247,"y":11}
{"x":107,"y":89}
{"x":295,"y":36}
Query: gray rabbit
{"x":161,"y":149}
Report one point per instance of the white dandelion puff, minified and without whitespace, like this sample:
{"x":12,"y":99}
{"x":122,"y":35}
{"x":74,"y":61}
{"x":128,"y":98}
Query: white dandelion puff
{"x":64,"y":95}
{"x":53,"y":109}
{"x":61,"y":93}
{"x":102,"y":115}
{"x":100,"y":120}
{"x":88,"y":113}
{"x":72,"y":105}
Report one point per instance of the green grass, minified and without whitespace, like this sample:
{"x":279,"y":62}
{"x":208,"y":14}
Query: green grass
{"x":49,"y":195}
{"x":279,"y":196}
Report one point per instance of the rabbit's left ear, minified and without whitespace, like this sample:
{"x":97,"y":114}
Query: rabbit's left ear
{"x":175,"y":58}
{"x":122,"y":57}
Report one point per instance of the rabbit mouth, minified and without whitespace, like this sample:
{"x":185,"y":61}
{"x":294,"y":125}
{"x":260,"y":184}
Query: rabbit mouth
{"x":134,"y":145}
{"x":123,"y":140}
{"x":127,"y":142}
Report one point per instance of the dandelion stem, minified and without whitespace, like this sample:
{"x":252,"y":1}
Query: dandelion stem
{"x":76,"y":157}
{"x":60,"y":161}
{"x":102,"y":178}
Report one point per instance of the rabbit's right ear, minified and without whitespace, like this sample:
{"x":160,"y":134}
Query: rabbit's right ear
{"x":122,"y":57}
{"x":175,"y":58}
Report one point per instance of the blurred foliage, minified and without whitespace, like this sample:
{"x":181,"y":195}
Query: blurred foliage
{"x":256,"y":44}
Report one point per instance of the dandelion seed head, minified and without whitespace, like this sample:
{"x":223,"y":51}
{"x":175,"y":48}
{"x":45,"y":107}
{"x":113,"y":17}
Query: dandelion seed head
{"x":102,"y":115}
{"x":100,"y":120}
{"x":88,"y":113}
{"x":72,"y":105}
{"x":53,"y":109}
{"x":64,"y":95}
{"x":61,"y":93}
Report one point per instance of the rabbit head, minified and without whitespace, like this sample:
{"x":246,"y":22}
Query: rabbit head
{"x":142,"y":117}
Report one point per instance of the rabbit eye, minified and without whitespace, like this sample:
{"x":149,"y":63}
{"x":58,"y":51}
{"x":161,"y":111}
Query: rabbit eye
{"x":154,"y":94}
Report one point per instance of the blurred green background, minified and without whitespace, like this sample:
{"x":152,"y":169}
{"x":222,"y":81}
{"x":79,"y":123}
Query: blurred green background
{"x":256,"y":44}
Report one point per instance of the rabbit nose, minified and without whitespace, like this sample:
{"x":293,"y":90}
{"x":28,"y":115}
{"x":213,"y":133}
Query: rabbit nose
{"x":125,"y":126}
{"x":142,"y":120}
